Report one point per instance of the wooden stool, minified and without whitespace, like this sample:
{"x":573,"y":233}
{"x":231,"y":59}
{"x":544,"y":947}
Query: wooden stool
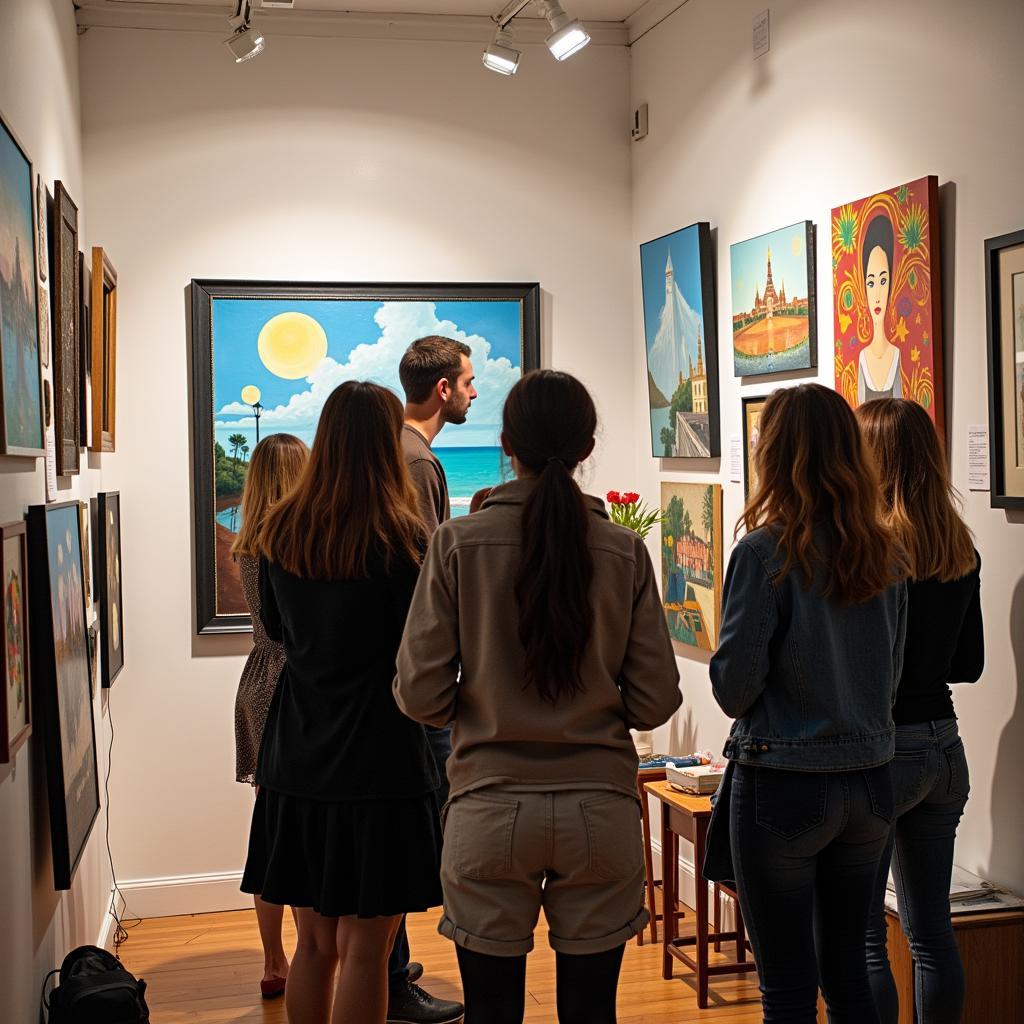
{"x":651,"y":883}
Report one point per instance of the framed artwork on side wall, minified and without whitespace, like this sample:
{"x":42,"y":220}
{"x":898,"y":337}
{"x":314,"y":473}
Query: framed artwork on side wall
{"x":265,"y":356}
{"x":886,"y":297}
{"x":104,"y":351}
{"x":16,"y":708}
{"x":774,"y":322}
{"x":1004,"y":292}
{"x":84,"y":345}
{"x":681,"y":342}
{"x":21,"y":375}
{"x":752,"y":408}
{"x":61,"y":681}
{"x":108,"y":507}
{"x":692,"y":563}
{"x":66,"y":352}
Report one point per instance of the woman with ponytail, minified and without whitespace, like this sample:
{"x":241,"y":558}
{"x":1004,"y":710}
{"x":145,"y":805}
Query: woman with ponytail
{"x":537,"y":629}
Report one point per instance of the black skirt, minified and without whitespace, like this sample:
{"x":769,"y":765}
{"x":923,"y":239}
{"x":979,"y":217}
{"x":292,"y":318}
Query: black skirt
{"x":372,"y":858}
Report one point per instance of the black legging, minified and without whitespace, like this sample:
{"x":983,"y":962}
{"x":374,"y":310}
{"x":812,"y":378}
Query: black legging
{"x":494,"y":987}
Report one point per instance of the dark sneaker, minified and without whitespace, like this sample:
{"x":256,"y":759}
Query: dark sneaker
{"x":409,"y":1004}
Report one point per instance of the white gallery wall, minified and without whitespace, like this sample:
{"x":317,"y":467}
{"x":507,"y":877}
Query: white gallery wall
{"x":39,"y":100}
{"x":324,"y":159}
{"x":852,"y":99}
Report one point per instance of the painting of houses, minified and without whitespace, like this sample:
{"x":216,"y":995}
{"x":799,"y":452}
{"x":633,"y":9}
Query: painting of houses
{"x":692,"y":563}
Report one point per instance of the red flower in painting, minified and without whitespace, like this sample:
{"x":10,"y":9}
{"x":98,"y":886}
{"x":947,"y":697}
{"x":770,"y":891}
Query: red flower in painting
{"x":614,"y":497}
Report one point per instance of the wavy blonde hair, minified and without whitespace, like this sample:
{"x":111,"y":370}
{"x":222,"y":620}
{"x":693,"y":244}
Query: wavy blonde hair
{"x":920,"y":506}
{"x":814,"y":468}
{"x":355,"y":498}
{"x":274,"y":469}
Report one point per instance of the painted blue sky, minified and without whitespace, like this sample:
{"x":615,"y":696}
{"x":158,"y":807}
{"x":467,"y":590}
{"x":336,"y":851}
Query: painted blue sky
{"x":684,"y":246}
{"x":365,"y":340}
{"x":748,"y":264}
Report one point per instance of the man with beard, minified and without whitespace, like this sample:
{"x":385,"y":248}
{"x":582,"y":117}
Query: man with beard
{"x":437,"y":377}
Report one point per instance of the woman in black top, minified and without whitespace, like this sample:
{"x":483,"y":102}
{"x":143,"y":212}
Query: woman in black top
{"x":346,"y":780}
{"x":944,"y":645}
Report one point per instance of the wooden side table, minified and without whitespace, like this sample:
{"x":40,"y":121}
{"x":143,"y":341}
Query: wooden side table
{"x":992,"y":949}
{"x":643,"y":776}
{"x":688,"y":817}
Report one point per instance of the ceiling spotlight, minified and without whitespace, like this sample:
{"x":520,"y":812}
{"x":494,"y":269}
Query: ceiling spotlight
{"x":246,"y":42}
{"x":501,"y":56}
{"x":568,"y":36}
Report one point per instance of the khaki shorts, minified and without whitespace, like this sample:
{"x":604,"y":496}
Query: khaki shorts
{"x":576,"y":853}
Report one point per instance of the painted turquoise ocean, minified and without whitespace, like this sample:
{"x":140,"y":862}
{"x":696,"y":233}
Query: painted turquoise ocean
{"x":467,"y":470}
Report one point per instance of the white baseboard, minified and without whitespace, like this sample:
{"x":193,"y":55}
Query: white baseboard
{"x":184,"y":894}
{"x":105,"y":939}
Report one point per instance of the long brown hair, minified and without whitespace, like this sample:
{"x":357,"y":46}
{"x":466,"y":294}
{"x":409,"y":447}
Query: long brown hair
{"x":355,"y":497}
{"x":919,"y":502}
{"x":274,"y":469}
{"x":549,"y":424}
{"x":813,"y":468}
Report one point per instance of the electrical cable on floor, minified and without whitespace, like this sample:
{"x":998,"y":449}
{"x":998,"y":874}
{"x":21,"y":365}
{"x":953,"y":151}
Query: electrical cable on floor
{"x":120,"y":929}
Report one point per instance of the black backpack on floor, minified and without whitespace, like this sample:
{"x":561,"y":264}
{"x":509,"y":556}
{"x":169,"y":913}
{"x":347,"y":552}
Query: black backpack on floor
{"x":95,"y":989}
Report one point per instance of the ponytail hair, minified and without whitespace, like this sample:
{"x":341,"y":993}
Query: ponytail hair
{"x":549,"y":424}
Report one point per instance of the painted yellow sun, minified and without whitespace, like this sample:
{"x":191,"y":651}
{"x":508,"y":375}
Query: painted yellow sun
{"x":251,"y":394}
{"x":292,"y":345}
{"x":798,"y":244}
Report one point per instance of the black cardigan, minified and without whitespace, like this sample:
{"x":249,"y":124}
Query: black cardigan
{"x":334,"y":731}
{"x":945,"y":644}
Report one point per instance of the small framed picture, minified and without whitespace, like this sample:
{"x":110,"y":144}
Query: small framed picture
{"x":1004,"y":291}
{"x":16,"y":708}
{"x":108,"y":566}
{"x":104,"y":351}
{"x":752,"y":408}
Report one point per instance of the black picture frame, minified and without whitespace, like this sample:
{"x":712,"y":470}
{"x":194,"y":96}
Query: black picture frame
{"x":108,"y":571}
{"x":709,"y":342}
{"x":201,"y":294}
{"x":62,"y":690}
{"x":1000,"y":494}
{"x":747,"y":401}
{"x":66,"y":340}
{"x":84,"y":345}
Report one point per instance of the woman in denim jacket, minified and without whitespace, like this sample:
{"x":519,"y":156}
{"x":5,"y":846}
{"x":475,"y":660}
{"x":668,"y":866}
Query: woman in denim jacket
{"x":945,"y":644}
{"x":810,"y":652}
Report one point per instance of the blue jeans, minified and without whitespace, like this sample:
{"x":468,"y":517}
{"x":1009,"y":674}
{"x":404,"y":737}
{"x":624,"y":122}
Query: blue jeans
{"x":440,"y":743}
{"x":931,"y":784}
{"x":806,"y":848}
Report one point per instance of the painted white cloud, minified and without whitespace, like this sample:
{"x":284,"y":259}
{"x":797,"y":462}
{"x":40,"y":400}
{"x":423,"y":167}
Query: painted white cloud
{"x":400,"y":324}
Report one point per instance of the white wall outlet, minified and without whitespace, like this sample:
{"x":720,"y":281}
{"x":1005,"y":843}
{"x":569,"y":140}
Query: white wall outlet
{"x":638,"y":129}
{"x":762,"y":34}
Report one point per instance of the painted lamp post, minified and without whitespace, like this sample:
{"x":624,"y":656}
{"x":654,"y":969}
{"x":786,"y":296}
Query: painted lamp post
{"x":251,"y":395}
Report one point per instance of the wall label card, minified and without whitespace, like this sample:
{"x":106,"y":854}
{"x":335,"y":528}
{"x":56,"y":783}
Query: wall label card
{"x":977,"y":457}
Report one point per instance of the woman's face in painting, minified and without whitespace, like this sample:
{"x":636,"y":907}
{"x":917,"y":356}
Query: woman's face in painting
{"x":876,"y":282}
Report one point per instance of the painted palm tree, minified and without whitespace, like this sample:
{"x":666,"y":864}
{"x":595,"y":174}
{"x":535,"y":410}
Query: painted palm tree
{"x":245,"y":453}
{"x":236,"y":441}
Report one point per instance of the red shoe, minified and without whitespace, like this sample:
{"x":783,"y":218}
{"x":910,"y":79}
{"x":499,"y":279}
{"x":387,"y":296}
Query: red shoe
{"x":271,"y":988}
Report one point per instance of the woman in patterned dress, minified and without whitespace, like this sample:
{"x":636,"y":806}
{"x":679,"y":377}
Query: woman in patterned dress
{"x":275,"y":467}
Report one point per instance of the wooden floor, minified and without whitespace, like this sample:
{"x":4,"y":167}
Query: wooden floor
{"x":206,"y":969}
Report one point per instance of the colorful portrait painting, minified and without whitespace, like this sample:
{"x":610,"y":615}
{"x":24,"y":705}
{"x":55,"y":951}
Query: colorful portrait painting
{"x":773,"y":310}
{"x":681,"y":344}
{"x":108,"y":506}
{"x":886,"y":284}
{"x":752,"y":409}
{"x":17,"y":719}
{"x":21,"y":400}
{"x":62,"y":680}
{"x":274,"y":352}
{"x":692,"y":563}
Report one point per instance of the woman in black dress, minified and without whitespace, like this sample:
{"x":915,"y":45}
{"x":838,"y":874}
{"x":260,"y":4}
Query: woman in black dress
{"x":345,"y":827}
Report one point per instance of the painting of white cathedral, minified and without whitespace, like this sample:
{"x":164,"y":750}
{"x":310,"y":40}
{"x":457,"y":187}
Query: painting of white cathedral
{"x":682,"y":353}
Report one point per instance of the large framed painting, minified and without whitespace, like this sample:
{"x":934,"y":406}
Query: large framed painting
{"x":61,"y":681}
{"x":84,"y":345}
{"x":66,"y":352}
{"x":104,"y":351}
{"x":681,"y":343}
{"x":774,"y":326}
{"x":886,"y":297}
{"x":692,"y":563}
{"x":1004,"y":292}
{"x":753,"y":406}
{"x":108,"y":509}
{"x":21,"y":375}
{"x":265,"y":356}
{"x":16,"y":708}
